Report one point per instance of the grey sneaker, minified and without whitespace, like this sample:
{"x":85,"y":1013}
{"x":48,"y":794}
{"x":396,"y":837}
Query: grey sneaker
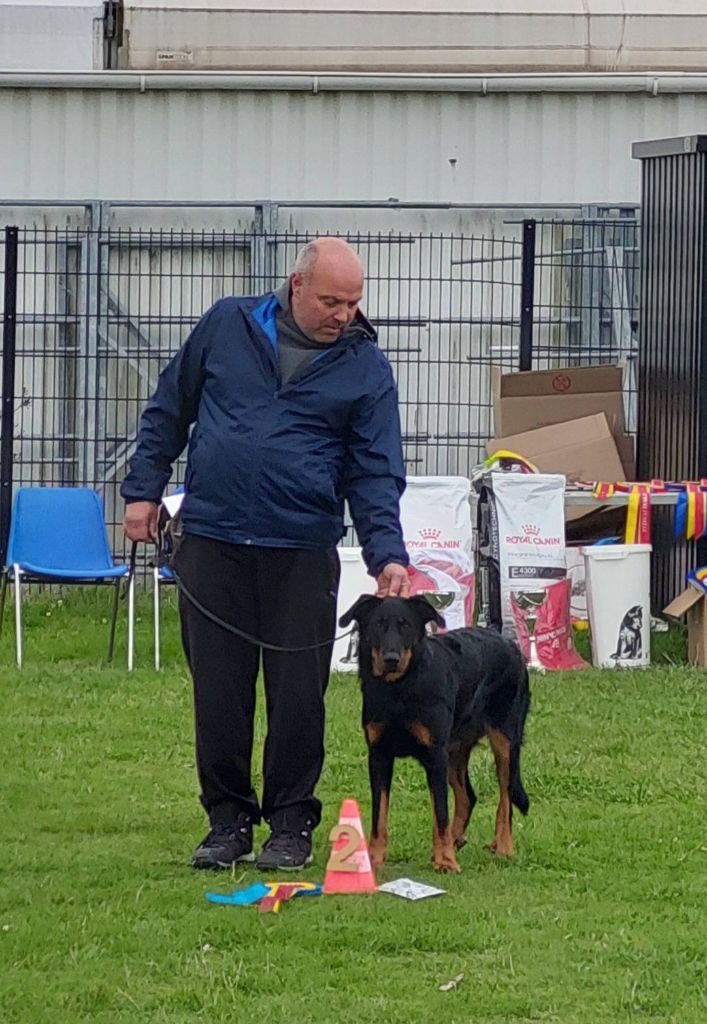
{"x":225,"y":845}
{"x":286,"y":850}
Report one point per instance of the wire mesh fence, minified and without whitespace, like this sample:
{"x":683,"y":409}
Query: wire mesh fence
{"x":100,"y":313}
{"x":586,"y":296}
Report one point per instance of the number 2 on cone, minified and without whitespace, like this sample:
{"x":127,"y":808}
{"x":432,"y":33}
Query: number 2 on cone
{"x":339,"y":858}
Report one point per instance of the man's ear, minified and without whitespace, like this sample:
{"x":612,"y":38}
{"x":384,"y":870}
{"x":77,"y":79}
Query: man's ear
{"x":425,"y":610}
{"x":363,"y":607}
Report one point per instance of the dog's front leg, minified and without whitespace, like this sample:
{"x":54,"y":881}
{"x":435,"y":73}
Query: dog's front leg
{"x":436,"y":765}
{"x":380,"y":771}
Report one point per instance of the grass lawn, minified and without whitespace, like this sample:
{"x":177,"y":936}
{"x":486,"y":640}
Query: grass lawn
{"x":600,"y":918}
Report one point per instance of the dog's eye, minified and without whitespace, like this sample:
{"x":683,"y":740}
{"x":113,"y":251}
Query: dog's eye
{"x":403,"y":624}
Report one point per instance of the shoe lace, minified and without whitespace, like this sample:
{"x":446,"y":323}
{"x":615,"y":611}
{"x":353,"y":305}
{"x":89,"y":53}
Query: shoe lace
{"x":284,"y":839}
{"x":224,"y":831}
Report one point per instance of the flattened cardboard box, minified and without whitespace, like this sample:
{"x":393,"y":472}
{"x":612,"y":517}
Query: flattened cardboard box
{"x":692,"y":603}
{"x":582,"y":449}
{"x":539,"y":398}
{"x":627,"y":453}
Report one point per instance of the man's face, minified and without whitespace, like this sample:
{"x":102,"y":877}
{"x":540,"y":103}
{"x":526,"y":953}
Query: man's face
{"x":324,"y":301}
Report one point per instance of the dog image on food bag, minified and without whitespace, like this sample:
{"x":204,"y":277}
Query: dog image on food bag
{"x":435,"y":698}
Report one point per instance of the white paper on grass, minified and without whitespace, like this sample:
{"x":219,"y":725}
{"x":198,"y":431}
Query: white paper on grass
{"x":410,"y":890}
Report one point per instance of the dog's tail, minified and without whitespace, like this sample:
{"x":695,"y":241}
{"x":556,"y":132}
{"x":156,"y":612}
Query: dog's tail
{"x":517,"y":792}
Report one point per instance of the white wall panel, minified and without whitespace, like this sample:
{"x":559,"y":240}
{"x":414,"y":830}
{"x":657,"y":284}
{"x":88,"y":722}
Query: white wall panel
{"x":521,"y":148}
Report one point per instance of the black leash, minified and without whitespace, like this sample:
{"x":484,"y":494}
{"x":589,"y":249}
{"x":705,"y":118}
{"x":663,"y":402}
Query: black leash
{"x":163,"y":562}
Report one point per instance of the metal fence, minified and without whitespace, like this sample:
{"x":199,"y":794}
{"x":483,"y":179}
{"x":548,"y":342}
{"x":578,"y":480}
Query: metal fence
{"x":92,"y":316}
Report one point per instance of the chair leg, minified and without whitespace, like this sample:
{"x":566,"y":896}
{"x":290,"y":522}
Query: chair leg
{"x":131,"y":622}
{"x":156,"y":614}
{"x":17,"y":580}
{"x":113,"y":620}
{"x":3,"y":592}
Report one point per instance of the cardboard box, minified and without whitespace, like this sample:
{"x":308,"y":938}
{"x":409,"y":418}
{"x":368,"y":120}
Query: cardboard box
{"x":582,"y":449}
{"x":693,"y":604}
{"x":625,"y":444}
{"x":540,"y":398}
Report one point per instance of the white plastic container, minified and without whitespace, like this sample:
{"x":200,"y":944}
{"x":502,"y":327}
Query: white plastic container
{"x":618,"y":599}
{"x":354,"y":582}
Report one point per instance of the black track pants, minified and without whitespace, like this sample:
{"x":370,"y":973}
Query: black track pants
{"x":282,"y":596}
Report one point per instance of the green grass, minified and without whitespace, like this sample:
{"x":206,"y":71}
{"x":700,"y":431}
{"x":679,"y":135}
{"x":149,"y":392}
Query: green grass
{"x":600,"y":918}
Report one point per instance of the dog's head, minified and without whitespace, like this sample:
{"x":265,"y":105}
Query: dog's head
{"x":634,"y":617}
{"x":390,"y":628}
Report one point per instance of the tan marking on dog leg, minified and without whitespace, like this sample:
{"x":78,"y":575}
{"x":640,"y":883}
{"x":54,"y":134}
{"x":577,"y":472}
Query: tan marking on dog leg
{"x":378,"y":844}
{"x":374,"y":731}
{"x":444,"y":858}
{"x":421,"y":733}
{"x":459,"y":753}
{"x":503,"y":840}
{"x":462,"y":806}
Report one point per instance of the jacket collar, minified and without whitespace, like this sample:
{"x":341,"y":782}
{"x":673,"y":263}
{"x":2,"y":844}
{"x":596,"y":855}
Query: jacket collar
{"x":359,"y":324}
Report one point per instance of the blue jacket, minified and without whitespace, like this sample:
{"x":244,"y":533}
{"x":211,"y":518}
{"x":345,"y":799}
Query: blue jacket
{"x":271,"y":465}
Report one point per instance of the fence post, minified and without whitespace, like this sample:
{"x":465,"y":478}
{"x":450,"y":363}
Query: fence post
{"x":527,"y":296}
{"x":8,"y":387}
{"x":88,"y":356}
{"x":264,"y":255}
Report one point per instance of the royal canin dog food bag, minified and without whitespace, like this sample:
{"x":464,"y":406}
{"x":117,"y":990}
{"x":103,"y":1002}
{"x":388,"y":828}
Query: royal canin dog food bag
{"x":436,"y":519}
{"x":534,"y":588}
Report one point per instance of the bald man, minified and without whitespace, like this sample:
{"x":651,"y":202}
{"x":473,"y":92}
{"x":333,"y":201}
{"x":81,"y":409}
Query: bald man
{"x":290,"y":409}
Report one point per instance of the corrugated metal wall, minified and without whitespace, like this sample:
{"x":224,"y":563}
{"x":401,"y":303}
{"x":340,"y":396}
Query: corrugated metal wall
{"x":672,"y":411}
{"x":496,"y":149}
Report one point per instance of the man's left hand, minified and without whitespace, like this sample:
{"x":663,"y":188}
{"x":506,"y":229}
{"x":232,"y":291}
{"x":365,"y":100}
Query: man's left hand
{"x":393,"y":581}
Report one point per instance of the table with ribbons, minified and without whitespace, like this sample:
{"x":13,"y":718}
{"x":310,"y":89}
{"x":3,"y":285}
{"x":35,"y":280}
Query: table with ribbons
{"x":688,"y":497}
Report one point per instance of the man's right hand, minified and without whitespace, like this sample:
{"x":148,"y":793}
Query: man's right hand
{"x":140,"y":520}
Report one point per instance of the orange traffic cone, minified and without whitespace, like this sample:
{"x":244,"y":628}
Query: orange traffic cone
{"x":349,"y":868}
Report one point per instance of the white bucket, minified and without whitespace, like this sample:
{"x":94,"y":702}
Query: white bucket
{"x":354,"y":582}
{"x":618,"y":599}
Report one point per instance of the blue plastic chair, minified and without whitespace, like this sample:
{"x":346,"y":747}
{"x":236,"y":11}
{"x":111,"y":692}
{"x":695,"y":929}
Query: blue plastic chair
{"x":58,"y":535}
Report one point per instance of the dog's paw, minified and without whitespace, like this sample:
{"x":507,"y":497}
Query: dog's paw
{"x":500,"y":849}
{"x":378,"y":855}
{"x":445,"y":863}
{"x":460,"y":842}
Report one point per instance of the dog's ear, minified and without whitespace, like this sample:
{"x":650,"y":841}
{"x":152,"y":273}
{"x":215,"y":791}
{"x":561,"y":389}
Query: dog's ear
{"x":425,"y":611}
{"x":358,"y":611}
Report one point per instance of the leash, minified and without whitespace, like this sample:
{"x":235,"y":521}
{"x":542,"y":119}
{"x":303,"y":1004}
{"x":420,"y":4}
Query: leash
{"x":162,"y":561}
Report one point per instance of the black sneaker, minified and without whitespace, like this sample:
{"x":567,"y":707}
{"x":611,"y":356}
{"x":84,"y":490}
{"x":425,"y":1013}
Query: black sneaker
{"x":286,"y":850}
{"x":225,"y":845}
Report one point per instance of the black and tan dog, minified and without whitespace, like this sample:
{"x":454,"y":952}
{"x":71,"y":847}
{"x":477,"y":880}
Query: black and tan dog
{"x":434,"y":698}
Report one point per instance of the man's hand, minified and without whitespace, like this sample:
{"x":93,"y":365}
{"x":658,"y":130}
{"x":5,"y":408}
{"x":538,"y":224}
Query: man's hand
{"x":140,"y":521}
{"x":393,"y":581}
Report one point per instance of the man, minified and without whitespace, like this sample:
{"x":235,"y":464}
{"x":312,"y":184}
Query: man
{"x":294,"y":409}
